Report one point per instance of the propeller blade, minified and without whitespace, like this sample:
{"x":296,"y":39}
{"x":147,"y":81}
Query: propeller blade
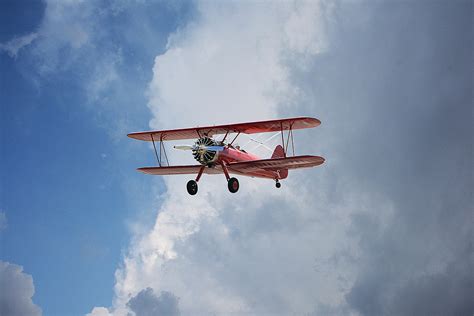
{"x":184,"y":147}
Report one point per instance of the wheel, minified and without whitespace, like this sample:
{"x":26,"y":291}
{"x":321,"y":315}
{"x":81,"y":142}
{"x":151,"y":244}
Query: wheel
{"x":192,"y":187}
{"x":278,"y":185}
{"x":233,"y":185}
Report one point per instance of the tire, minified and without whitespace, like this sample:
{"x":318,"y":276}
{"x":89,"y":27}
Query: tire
{"x":278,"y":185}
{"x":233,"y":185}
{"x":192,"y":187}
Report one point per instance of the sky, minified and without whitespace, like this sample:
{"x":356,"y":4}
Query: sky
{"x":384,"y":227}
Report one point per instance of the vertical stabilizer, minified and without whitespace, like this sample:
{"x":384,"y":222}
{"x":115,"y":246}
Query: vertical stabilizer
{"x":278,"y":152}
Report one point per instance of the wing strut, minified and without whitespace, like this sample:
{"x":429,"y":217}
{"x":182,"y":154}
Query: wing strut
{"x":156,"y":154}
{"x":282,"y":139}
{"x":292,"y":142}
{"x":234,"y":138}
{"x":162,"y":147}
{"x":164,"y":151}
{"x":290,"y":134}
{"x":225,"y":136}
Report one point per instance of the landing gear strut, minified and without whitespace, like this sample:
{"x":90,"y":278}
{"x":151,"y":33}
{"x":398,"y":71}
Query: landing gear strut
{"x":192,"y":185}
{"x":277,"y":183}
{"x":232,"y":183}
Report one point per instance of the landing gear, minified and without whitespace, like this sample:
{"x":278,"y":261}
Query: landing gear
{"x":233,"y":185}
{"x":277,"y":184}
{"x":192,"y":187}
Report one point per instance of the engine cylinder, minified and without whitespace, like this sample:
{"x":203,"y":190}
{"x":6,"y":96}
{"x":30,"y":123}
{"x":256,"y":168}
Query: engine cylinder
{"x":203,"y":155}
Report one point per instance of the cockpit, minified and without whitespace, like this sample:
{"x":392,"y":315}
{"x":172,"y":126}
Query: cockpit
{"x":237,"y":147}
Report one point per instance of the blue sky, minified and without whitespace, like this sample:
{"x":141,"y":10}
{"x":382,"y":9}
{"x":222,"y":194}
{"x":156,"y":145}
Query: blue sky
{"x":383,"y":227}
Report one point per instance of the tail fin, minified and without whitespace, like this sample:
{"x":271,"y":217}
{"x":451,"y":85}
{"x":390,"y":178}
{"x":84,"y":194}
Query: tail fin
{"x":279,"y":152}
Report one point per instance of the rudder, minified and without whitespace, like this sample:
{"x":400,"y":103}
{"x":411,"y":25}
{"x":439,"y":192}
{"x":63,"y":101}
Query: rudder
{"x":278,"y":152}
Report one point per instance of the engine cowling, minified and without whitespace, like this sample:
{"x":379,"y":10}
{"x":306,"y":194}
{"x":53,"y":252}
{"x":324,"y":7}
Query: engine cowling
{"x":201,"y":154}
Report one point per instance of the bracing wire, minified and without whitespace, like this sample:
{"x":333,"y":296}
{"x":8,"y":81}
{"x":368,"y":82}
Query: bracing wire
{"x":262,"y":143}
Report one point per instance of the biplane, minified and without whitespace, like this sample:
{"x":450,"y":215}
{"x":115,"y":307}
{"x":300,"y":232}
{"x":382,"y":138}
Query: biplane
{"x":223,"y":157}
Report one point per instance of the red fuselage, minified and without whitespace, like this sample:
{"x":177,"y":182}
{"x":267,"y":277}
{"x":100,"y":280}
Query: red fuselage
{"x":232,"y":155}
{"x":229,"y":155}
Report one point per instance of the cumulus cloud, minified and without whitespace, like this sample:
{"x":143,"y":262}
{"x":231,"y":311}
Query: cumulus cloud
{"x":216,"y":251}
{"x":16,"y":291}
{"x":99,"y":311}
{"x":384,"y":227}
{"x":397,"y":96}
{"x":146,"y":303}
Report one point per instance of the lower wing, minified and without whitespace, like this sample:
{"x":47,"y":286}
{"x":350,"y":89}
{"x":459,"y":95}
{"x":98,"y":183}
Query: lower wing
{"x":191,"y":169}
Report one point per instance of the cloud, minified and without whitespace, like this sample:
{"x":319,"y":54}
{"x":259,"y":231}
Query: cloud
{"x":99,"y":311}
{"x":65,"y":40}
{"x":381,"y":227}
{"x":396,"y":96}
{"x":94,"y":47}
{"x":217,"y":251}
{"x":13,"y":46}
{"x":146,"y":303}
{"x":64,"y":34}
{"x":17,"y":290}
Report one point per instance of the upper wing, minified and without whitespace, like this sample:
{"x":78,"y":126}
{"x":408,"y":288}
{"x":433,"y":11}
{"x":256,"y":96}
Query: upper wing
{"x":277,"y":164}
{"x":245,"y":128}
{"x":190,"y":169}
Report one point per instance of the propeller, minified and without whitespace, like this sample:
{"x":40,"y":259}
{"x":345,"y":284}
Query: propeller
{"x":199,"y":147}
{"x":204,"y":150}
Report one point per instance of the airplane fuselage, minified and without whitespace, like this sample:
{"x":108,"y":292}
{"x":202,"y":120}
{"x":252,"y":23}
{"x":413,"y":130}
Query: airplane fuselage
{"x":231,"y":155}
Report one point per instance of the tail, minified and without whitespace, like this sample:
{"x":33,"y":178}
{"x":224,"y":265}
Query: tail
{"x":279,"y":152}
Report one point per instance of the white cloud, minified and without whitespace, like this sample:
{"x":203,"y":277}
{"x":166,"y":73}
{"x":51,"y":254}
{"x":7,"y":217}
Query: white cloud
{"x":16,"y":291}
{"x":262,"y":250}
{"x":13,"y":46}
{"x":67,"y":27}
{"x":105,"y":74}
{"x":99,"y":311}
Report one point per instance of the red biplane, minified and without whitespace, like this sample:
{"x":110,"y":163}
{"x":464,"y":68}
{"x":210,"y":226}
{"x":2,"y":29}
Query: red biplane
{"x":218,"y":156}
